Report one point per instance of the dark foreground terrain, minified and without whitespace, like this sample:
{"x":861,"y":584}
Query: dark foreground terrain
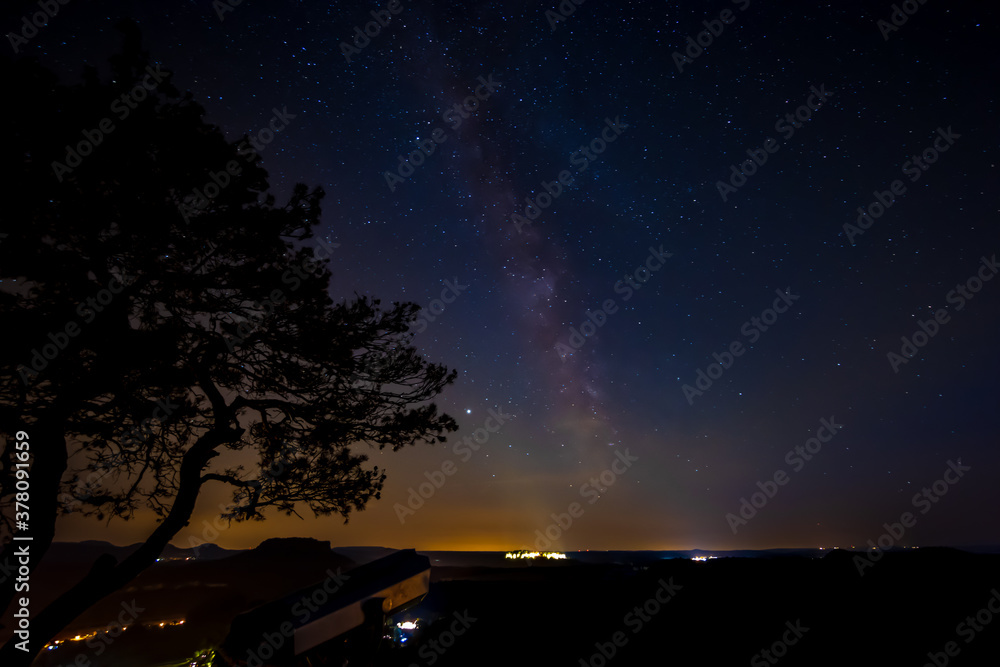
{"x":725,"y":612}
{"x":915,"y":607}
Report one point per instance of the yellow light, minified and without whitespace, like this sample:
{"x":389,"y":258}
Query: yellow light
{"x":534,"y":554}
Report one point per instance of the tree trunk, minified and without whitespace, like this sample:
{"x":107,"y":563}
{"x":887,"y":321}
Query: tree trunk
{"x":48,"y":464}
{"x":105,"y":578}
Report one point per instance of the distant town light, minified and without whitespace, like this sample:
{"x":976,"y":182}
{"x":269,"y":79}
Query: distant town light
{"x":535,"y":554}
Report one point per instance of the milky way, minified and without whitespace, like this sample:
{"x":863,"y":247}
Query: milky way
{"x":667,"y":180}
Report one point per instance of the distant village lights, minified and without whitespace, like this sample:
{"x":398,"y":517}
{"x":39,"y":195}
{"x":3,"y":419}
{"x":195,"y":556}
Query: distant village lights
{"x":521,"y":555}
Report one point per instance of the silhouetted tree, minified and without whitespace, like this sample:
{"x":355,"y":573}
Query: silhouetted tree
{"x":150,"y":329}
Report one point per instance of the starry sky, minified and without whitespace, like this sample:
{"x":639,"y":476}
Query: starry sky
{"x":661,"y":232}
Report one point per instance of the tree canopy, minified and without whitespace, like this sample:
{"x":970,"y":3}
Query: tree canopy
{"x":155,"y":323}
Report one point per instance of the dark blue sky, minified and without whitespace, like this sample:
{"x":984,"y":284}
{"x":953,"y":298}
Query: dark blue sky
{"x":515,"y":296}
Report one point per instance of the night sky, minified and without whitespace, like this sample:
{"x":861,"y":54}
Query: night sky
{"x":648,"y":234}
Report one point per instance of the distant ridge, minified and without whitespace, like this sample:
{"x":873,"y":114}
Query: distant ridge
{"x":89,"y":550}
{"x":362,"y":555}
